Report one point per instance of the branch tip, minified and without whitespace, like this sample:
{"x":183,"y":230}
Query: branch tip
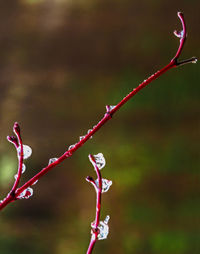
{"x":89,"y":179}
{"x":16,"y":128}
{"x":12,"y":139}
{"x":190,"y":60}
{"x":180,"y":14}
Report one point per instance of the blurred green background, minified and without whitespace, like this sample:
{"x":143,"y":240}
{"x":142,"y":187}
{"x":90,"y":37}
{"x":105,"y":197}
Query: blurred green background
{"x":61,"y":62}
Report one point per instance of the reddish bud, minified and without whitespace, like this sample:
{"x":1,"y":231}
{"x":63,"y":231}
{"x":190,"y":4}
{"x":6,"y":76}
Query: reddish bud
{"x":16,"y":128}
{"x":89,"y":179}
{"x":13,"y":140}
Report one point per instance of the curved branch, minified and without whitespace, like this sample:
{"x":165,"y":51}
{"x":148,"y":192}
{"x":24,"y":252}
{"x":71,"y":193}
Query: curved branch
{"x":182,"y":35}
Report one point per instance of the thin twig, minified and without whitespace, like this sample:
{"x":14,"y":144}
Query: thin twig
{"x":98,"y":189}
{"x":16,"y":130}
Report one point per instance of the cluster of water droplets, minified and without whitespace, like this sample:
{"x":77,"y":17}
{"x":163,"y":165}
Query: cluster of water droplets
{"x":103,"y":228}
{"x":105,"y":184}
{"x":99,"y":160}
{"x":27,"y":151}
{"x":26,"y":194}
{"x":80,"y":138}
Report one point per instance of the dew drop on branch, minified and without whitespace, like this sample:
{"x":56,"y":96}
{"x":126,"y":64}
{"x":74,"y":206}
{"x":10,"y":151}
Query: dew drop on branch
{"x":26,"y":150}
{"x":112,"y":107}
{"x":100,"y":160}
{"x":71,"y":146}
{"x":81,"y":137}
{"x":105,"y":184}
{"x":23,"y":168}
{"x":26,"y":194}
{"x":89,"y":132}
{"x":103,"y":228}
{"x":194,"y":61}
{"x":35,"y":182}
{"x":52,"y":160}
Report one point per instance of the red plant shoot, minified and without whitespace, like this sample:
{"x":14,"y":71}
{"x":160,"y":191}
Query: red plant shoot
{"x":99,"y":228}
{"x":25,"y":191}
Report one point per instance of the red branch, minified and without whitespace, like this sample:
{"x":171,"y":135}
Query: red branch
{"x":98,"y":189}
{"x":108,"y":115}
{"x":16,"y":130}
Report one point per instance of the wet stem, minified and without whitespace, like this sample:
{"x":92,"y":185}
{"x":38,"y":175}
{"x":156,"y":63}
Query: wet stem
{"x":110,"y":111}
{"x":98,"y":189}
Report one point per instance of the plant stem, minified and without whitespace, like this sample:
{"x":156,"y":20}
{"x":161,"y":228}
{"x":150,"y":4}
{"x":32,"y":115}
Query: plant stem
{"x":108,"y":115}
{"x":98,"y":189}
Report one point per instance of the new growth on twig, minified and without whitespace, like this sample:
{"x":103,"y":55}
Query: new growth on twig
{"x":182,"y":35}
{"x":24,"y":151}
{"x":99,"y":229}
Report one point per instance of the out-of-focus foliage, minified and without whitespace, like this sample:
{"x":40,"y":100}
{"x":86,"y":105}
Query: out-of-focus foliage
{"x":61,"y":62}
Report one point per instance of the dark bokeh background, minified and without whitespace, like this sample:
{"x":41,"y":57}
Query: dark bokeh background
{"x":61,"y":62}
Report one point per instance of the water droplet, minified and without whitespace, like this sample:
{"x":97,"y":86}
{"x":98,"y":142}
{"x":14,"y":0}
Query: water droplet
{"x":35,"y":182}
{"x":105,"y":184}
{"x":26,"y":194}
{"x":81,"y":137}
{"x":23,"y":168}
{"x":52,"y":160}
{"x":100,"y":160}
{"x":112,"y":107}
{"x":195,"y":60}
{"x":107,"y":219}
{"x":103,"y":228}
{"x":26,"y":150}
{"x":89,"y":132}
{"x":71,"y":146}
